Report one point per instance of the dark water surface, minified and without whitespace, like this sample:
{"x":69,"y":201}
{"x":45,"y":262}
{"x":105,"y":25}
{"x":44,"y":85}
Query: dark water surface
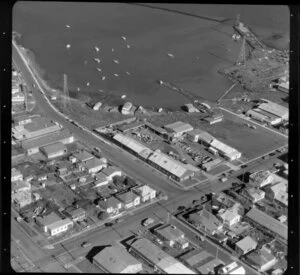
{"x":200,"y":47}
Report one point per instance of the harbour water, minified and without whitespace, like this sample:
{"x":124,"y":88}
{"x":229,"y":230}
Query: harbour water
{"x":198,"y":47}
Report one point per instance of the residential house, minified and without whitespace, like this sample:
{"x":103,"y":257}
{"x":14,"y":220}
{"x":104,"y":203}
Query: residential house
{"x":255,"y":194}
{"x":263,"y":260}
{"x":82,"y":156}
{"x":145,"y":192}
{"x":230,"y":217}
{"x":278,"y":192}
{"x":54,"y":150}
{"x":245,"y":245}
{"x":93,"y":165}
{"x":117,"y":260}
{"x":21,"y":199}
{"x":111,"y":172}
{"x":129,"y":199}
{"x":16,"y":175}
{"x":206,"y":220}
{"x":100,"y":180}
{"x":111,"y":205}
{"x":172,"y":236}
{"x":53,"y":224}
{"x":76,"y":214}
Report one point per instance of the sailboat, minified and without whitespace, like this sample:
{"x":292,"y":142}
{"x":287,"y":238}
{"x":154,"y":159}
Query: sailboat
{"x":123,"y":96}
{"x":68,"y":26}
{"x":68,"y":46}
{"x":97,"y":60}
{"x":96,"y":49}
{"x":78,"y":89}
{"x":116,"y":61}
{"x":99,"y":69}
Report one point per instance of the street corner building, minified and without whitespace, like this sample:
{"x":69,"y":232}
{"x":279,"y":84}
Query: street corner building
{"x":115,"y":259}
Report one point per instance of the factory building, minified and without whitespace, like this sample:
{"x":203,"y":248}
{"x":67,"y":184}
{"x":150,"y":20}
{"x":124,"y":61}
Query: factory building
{"x":54,"y":150}
{"x":39,"y":126}
{"x":169,"y":166}
{"x":158,"y":258}
{"x":33,"y":145}
{"x":225,"y":150}
{"x":116,"y":260}
{"x":275,"y":109}
{"x":210,"y":164}
{"x":178,"y":128}
{"x":190,"y":108}
{"x":132,"y":126}
{"x":158,"y":130}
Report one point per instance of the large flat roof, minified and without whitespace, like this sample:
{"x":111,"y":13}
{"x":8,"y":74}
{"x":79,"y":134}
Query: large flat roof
{"x":246,"y":243}
{"x":115,"y":259}
{"x":268,"y":222}
{"x":54,"y":147}
{"x":179,"y":127}
{"x":274,"y":108}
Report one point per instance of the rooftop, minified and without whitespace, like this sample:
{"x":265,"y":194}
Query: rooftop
{"x":210,"y":266}
{"x":246,"y":243}
{"x":83,"y":156}
{"x":19,"y":184}
{"x":15,"y":172}
{"x":54,"y":147}
{"x":206,"y":218}
{"x":110,"y":170}
{"x":39,"y":123}
{"x":127,"y":197}
{"x":50,"y":219}
{"x":170,"y":232}
{"x":60,"y":223}
{"x":144,"y":190}
{"x":179,"y":127}
{"x":93,"y":163}
{"x":115,"y":259}
{"x":262,"y":257}
{"x":195,"y":132}
{"x":110,"y":202}
{"x":274,"y":108}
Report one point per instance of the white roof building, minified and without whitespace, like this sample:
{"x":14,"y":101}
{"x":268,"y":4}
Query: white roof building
{"x":275,"y":109}
{"x":226,"y":150}
{"x":178,"y":128}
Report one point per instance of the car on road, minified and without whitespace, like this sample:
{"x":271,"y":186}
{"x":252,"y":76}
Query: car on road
{"x":147,"y":221}
{"x":159,"y":241}
{"x":97,"y":149}
{"x":86,"y":244}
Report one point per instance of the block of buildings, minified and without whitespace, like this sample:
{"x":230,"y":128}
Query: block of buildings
{"x":211,"y":164}
{"x":263,"y":260}
{"x":53,"y":224}
{"x":111,"y":171}
{"x":111,"y":205}
{"x":54,"y":150}
{"x":172,"y":235}
{"x":232,"y":268}
{"x":194,"y":135}
{"x":129,"y":199}
{"x":145,"y":192}
{"x":206,"y":220}
{"x":260,"y":178}
{"x":245,"y":245}
{"x":33,"y":145}
{"x":205,"y":138}
{"x":16,"y":175}
{"x":230,"y":217}
{"x":178,"y":128}
{"x":117,"y":260}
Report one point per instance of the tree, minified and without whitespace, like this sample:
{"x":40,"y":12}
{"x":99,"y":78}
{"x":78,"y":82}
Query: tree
{"x":102,"y":215}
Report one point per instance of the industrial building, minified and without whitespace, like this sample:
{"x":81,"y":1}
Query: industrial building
{"x":157,"y":257}
{"x":245,"y":245}
{"x":174,"y":169}
{"x":268,"y":222}
{"x":39,"y":126}
{"x":116,"y":260}
{"x":33,"y":145}
{"x":205,"y":138}
{"x":178,"y":128}
{"x":275,"y":109}
{"x":129,"y":127}
{"x":190,"y":108}
{"x":54,"y":150}
{"x":53,"y":224}
{"x":225,"y":150}
{"x":158,"y":130}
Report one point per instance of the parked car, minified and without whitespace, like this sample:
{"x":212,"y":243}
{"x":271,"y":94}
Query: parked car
{"x":86,"y":244}
{"x":159,"y":241}
{"x":147,"y":221}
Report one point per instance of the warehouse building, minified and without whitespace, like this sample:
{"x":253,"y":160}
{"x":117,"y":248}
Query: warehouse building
{"x":33,"y":145}
{"x":263,"y":116}
{"x":275,"y":109}
{"x":210,"y":164}
{"x":205,"y":138}
{"x":169,"y":166}
{"x":54,"y":150}
{"x":225,"y":150}
{"x":39,"y":126}
{"x":268,"y":222}
{"x":157,"y":257}
{"x":178,"y":128}
{"x":158,"y":131}
{"x":194,"y":135}
{"x":116,"y":260}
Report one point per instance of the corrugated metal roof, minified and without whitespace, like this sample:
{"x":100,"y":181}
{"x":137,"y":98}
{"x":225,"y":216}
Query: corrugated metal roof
{"x":130,"y":143}
{"x":268,"y":222}
{"x":115,"y":259}
{"x":274,"y":109}
{"x":179,"y":127}
{"x":172,"y":166}
{"x":223,"y":147}
{"x":206,"y":137}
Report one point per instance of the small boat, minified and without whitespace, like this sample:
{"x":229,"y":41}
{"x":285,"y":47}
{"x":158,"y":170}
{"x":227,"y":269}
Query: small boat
{"x":96,"y":49}
{"x":112,"y":49}
{"x":103,"y":77}
{"x":128,"y":46}
{"x":78,"y":89}
{"x":88,"y":84}
{"x":116,"y":61}
{"x":123,"y":96}
{"x":99,"y":69}
{"x":116,"y":75}
{"x":123,"y":37}
{"x":68,"y":26}
{"x":170,"y":55}
{"x":68,"y":46}
{"x":101,"y":91}
{"x":97,"y":60}
{"x":128,"y":73}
